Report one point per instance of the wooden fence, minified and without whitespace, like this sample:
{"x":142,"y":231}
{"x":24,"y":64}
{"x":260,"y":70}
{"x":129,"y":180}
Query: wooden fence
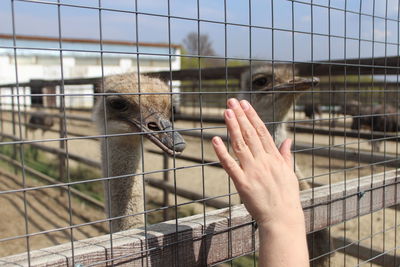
{"x":229,"y":231}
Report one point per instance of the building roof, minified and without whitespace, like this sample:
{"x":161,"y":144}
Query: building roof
{"x":49,"y":46}
{"x":87,"y":41}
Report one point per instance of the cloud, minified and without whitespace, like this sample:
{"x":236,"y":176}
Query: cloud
{"x":381,"y":34}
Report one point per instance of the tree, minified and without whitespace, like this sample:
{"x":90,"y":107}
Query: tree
{"x":194,"y":40}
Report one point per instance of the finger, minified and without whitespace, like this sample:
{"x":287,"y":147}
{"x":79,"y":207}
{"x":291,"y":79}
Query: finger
{"x":248,"y":132}
{"x":265,"y":137}
{"x":230,"y":165}
{"x":286,"y":153}
{"x":239,"y":146}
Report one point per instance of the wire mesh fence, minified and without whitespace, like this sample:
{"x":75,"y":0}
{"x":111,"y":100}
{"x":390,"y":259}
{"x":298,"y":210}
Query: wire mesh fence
{"x":107,"y":109}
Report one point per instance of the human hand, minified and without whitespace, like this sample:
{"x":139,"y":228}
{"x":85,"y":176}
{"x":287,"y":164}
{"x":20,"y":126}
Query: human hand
{"x":264,"y":176}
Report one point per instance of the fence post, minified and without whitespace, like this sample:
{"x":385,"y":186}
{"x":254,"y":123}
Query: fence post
{"x":61,"y":156}
{"x":1,"y":118}
{"x":14,"y":130}
{"x":165,"y":192}
{"x":26,"y":121}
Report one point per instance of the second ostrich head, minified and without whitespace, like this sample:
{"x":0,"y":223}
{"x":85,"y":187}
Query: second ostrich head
{"x":274,"y":90}
{"x":138,"y":104}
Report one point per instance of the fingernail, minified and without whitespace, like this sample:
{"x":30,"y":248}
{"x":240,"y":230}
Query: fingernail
{"x":245,"y":105}
{"x":229,"y":113}
{"x":216,"y":140}
{"x":232,"y":103}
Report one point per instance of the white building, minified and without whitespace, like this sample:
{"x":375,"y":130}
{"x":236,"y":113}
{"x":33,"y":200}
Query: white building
{"x":41,"y":58}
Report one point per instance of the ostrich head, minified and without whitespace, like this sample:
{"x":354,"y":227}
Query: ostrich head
{"x":127,"y":112}
{"x":280,"y":87}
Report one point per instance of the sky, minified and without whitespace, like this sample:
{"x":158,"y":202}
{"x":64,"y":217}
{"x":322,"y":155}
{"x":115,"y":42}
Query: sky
{"x":241,"y":42}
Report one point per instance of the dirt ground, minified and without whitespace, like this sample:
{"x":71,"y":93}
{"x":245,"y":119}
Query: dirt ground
{"x":47,"y":210}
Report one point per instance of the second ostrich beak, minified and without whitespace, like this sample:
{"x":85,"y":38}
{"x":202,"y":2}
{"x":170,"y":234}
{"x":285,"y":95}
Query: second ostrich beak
{"x":298,"y":83}
{"x":159,"y":131}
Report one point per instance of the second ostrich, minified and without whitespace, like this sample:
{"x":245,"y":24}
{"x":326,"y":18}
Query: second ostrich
{"x":275,"y":89}
{"x":125,"y":115}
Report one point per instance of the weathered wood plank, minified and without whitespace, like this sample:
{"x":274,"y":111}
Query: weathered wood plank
{"x":346,"y":200}
{"x":193,"y":243}
{"x":190,"y":247}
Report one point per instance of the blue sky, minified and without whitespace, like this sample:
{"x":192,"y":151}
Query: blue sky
{"x":42,"y":19}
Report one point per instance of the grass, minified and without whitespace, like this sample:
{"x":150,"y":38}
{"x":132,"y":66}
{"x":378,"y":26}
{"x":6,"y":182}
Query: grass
{"x":157,"y":216}
{"x":40,"y":161}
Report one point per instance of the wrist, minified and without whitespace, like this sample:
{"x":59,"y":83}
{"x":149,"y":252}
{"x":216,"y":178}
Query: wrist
{"x":294,"y":223}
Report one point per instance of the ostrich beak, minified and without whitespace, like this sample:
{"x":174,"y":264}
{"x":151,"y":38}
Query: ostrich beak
{"x":159,"y":131}
{"x":298,"y":84}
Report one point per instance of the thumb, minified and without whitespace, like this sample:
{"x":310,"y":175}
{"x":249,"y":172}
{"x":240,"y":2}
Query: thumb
{"x":284,"y":149}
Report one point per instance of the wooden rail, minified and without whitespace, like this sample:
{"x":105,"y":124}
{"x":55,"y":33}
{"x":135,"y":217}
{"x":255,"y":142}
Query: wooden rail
{"x":57,"y":151}
{"x":365,"y":157}
{"x":226,"y":233}
{"x":49,"y":180}
{"x":156,"y":183}
{"x":370,"y":135}
{"x":48,"y":129}
{"x":356,"y":66}
{"x":55,"y":115}
{"x":326,"y":151}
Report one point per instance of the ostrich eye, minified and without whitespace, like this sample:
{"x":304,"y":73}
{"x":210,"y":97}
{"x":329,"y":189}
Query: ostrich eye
{"x":260,"y":82}
{"x":118,"y":104}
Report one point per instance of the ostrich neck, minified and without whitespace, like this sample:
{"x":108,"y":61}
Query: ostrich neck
{"x":278,"y":132}
{"x":123,"y":196}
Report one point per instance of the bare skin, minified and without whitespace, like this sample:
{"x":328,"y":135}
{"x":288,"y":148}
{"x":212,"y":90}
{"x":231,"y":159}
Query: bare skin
{"x":267,"y":185}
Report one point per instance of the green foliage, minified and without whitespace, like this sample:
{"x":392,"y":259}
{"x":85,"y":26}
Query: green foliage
{"x":81,"y":173}
{"x":190,"y":62}
{"x":245,"y":261}
{"x":347,"y":78}
{"x":157,"y":216}
{"x":39,"y":160}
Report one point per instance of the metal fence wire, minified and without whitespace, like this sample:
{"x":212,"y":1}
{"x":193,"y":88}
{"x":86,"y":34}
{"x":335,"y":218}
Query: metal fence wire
{"x":107,"y":109}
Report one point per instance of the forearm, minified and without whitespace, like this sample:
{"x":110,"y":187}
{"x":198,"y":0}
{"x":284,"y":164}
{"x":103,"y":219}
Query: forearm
{"x":282,"y":245}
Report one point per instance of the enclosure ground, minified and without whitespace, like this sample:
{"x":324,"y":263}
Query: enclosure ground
{"x":47,"y":208}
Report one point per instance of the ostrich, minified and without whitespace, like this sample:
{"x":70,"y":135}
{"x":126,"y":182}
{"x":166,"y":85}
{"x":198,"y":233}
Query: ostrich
{"x":40,"y":120}
{"x":123,"y":112}
{"x":274,"y":105}
{"x":311,"y":110}
{"x":374,"y":119}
